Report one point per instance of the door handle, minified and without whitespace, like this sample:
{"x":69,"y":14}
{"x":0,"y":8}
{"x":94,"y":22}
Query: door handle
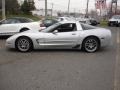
{"x":73,"y":33}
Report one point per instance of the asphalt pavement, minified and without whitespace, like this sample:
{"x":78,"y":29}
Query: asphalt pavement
{"x":61,"y":69}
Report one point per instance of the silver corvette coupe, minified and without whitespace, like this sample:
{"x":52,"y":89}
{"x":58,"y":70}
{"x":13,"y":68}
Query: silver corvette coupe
{"x":62,"y":35}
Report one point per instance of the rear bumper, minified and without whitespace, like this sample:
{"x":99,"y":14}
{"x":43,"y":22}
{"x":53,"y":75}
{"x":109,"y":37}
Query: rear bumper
{"x":106,"y":42}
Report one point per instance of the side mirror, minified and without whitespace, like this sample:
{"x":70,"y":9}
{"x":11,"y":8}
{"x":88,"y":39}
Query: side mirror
{"x":56,"y":31}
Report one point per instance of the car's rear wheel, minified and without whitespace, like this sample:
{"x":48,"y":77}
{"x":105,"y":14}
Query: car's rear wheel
{"x":91,"y":44}
{"x":24,"y":44}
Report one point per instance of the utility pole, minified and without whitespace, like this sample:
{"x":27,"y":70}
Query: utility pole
{"x":87,"y":9}
{"x":68,"y":7}
{"x":52,"y":10}
{"x":3,"y":9}
{"x":45,"y":9}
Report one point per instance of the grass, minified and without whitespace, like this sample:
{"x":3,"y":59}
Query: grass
{"x":103,"y":23}
{"x":23,"y":15}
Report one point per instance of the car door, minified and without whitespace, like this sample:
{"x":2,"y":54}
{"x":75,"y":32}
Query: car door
{"x":64,"y":36}
{"x":8,"y":26}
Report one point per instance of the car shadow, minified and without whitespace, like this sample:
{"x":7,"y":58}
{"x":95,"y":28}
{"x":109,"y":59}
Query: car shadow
{"x":57,"y":50}
{"x":102,"y":50}
{"x":4,"y":37}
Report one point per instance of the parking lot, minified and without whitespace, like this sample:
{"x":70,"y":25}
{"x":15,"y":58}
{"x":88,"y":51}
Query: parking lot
{"x":61,"y":69}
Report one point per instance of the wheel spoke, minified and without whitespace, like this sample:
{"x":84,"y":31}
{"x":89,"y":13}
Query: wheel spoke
{"x":91,"y":45}
{"x":23,"y":45}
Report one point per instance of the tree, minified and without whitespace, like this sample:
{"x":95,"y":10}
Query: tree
{"x":0,"y":4}
{"x":27,"y":6}
{"x":12,"y":6}
{"x":0,"y":8}
{"x":93,"y":14}
{"x":31,"y":5}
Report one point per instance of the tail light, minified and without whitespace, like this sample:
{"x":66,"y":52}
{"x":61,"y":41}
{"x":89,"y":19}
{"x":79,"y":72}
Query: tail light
{"x":42,"y":25}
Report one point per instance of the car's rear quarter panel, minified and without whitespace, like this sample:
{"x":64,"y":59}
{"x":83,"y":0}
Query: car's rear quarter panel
{"x":104,"y":35}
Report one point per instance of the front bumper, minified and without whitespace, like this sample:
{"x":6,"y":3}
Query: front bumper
{"x":113,"y":23}
{"x":9,"y":45}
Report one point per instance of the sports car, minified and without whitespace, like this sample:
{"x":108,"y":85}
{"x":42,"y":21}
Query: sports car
{"x":62,"y":35}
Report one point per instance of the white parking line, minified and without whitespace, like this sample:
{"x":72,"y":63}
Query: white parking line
{"x":117,"y":64}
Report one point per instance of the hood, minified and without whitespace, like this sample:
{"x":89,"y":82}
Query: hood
{"x":27,"y":33}
{"x":30,"y":31}
{"x":113,"y":19}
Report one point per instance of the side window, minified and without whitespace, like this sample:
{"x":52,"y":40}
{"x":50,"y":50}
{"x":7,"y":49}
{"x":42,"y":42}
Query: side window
{"x":10,"y":21}
{"x":16,"y":21}
{"x":25,"y":20}
{"x":66,"y":27}
{"x":87,"y":27}
{"x":7,"y":21}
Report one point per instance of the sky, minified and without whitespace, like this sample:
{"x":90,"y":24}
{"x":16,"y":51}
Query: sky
{"x":75,"y":5}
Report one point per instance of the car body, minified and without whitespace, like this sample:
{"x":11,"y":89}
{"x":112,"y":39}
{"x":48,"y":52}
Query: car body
{"x":84,"y":20}
{"x":62,"y":35}
{"x":114,"y":21}
{"x":11,"y":26}
{"x":94,"y":22}
{"x":64,"y":19}
{"x":90,"y":21}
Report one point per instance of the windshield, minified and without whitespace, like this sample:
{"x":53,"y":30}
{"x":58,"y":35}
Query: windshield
{"x":51,"y":27}
{"x":25,"y":20}
{"x":116,"y":17}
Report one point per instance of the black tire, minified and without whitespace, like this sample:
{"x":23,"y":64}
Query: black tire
{"x":109,"y":24}
{"x":91,"y":44}
{"x":24,"y":29}
{"x":24,"y":44}
{"x":118,"y":25}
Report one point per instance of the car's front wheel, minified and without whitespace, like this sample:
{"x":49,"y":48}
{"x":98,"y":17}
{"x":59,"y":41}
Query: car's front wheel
{"x":118,"y":25}
{"x":24,"y":44}
{"x":91,"y":44}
